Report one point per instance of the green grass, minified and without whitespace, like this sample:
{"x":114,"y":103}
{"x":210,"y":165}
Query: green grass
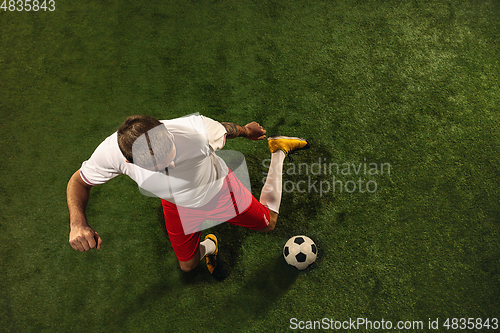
{"x":411,"y":83}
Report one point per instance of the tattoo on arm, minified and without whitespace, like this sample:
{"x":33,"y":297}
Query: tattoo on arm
{"x":234,"y":131}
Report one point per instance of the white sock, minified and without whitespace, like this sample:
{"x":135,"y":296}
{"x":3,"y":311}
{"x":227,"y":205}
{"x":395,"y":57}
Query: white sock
{"x":271,"y":192}
{"x":206,"y":247}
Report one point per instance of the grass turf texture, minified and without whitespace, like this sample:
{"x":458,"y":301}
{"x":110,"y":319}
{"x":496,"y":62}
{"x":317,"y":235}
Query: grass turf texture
{"x":412,"y":83}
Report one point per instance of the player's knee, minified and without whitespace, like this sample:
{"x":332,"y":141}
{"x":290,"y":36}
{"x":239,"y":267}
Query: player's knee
{"x":273,"y":221}
{"x":186,"y":269}
{"x":188,"y":266}
{"x":270,"y":227}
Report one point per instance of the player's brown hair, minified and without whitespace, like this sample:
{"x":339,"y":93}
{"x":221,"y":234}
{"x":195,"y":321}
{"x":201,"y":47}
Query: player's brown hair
{"x":134,"y":127}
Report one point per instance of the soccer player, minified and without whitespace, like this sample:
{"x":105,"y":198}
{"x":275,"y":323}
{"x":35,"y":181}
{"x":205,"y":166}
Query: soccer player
{"x":176,"y":161}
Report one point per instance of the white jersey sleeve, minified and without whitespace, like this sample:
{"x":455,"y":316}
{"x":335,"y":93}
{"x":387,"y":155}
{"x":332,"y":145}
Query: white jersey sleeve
{"x":216,"y":133}
{"x":99,"y":168}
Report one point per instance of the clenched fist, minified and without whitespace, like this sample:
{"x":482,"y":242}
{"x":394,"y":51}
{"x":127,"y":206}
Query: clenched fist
{"x":84,"y":238}
{"x":255,"y":131}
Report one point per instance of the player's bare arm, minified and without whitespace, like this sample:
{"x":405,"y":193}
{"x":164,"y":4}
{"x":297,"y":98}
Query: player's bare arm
{"x":251,"y":131}
{"x":82,"y":237}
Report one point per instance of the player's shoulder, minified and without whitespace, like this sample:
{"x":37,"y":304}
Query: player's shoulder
{"x":111,"y":140}
{"x":189,"y":121}
{"x":191,"y":125}
{"x":108,"y":150}
{"x":110,"y":143}
{"x":189,"y":133}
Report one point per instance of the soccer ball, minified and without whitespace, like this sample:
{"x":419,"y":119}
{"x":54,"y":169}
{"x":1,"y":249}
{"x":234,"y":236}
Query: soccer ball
{"x":300,"y":252}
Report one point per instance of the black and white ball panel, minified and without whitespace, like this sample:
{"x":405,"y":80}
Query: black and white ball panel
{"x":300,"y":251}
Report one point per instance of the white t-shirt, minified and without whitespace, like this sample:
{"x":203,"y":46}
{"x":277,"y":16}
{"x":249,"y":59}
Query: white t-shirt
{"x":198,"y":174}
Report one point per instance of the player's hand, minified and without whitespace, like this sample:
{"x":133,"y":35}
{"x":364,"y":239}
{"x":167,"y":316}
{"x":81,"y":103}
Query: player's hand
{"x":255,"y":131}
{"x":84,"y":238}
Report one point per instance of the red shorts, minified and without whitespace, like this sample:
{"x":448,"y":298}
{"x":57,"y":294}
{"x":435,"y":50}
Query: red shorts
{"x":222,"y":208}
